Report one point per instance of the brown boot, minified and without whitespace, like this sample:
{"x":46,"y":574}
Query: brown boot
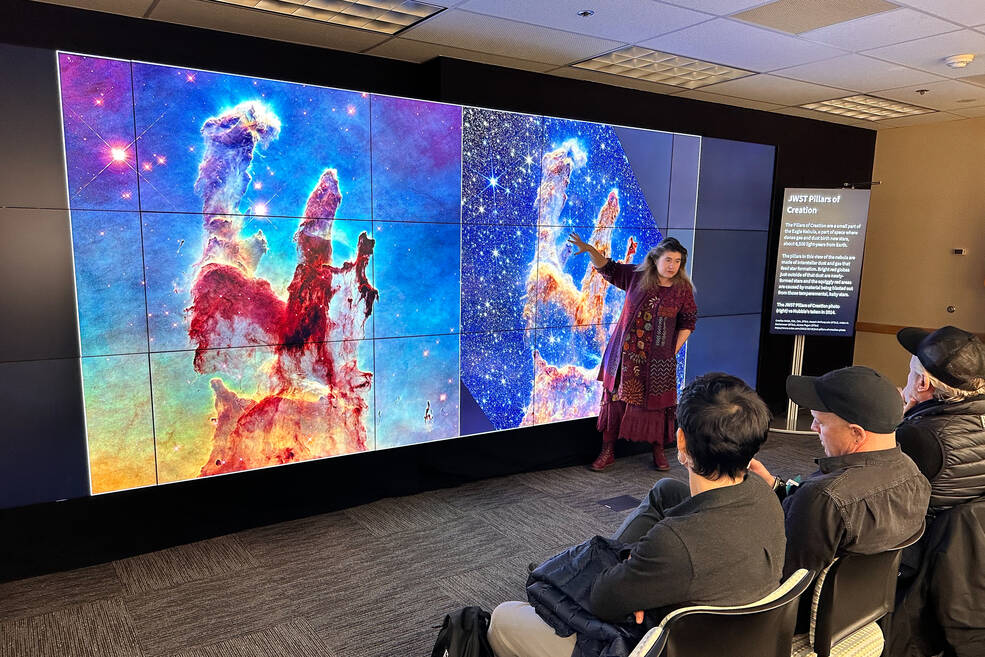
{"x":660,"y":458}
{"x":605,"y":458}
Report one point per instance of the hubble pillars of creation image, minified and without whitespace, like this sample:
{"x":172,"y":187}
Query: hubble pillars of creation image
{"x":272,"y":272}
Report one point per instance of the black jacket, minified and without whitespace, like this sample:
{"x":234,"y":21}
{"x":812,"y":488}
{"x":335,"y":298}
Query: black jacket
{"x":947,"y":442}
{"x":861,"y":503}
{"x":943,"y":608}
{"x":559,"y":589}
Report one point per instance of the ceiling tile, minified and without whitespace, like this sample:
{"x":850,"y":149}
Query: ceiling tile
{"x":880,"y":30}
{"x":973,"y":79}
{"x":928,"y":53}
{"x":614,"y":80}
{"x":970,"y":112}
{"x":796,"y":16}
{"x":267,"y":25}
{"x":718,"y":7}
{"x":965,"y":12}
{"x":464,"y":29}
{"x":732,"y":43}
{"x":920,"y":119}
{"x":773,"y":89}
{"x":124,"y":7}
{"x":827,"y":117}
{"x":621,"y":20}
{"x":858,"y":73}
{"x":943,"y":95}
{"x":700,"y":94}
{"x":419,"y":51}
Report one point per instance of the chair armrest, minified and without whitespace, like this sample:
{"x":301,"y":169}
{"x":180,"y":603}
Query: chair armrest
{"x":651,"y":644}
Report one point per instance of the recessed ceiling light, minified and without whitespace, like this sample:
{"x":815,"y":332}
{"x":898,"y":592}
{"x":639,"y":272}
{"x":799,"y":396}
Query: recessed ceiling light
{"x":382,"y":16}
{"x":870,"y":108}
{"x":655,"y":66}
{"x":959,"y":61}
{"x":585,"y":13}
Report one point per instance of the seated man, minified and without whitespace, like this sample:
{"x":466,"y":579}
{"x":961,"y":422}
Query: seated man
{"x":867,"y":496}
{"x":689,"y":541}
{"x":943,"y":429}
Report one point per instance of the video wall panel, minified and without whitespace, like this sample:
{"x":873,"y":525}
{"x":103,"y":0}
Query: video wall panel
{"x":272,"y":272}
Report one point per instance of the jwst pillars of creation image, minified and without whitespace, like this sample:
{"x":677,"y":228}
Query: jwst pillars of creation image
{"x":272,"y":272}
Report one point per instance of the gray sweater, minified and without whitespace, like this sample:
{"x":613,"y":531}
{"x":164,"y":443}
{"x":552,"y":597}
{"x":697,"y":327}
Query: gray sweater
{"x":724,"y":546}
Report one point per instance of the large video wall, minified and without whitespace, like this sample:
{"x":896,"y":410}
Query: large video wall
{"x":271,"y":272}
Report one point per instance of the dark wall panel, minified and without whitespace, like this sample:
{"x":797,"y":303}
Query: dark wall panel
{"x":723,"y":344}
{"x":37,"y":286}
{"x":734,"y":188}
{"x":730,"y":266}
{"x":31,"y":130}
{"x":42,"y":441}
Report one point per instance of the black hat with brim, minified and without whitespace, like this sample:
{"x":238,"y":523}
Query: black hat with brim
{"x":859,"y":395}
{"x":950,"y":354}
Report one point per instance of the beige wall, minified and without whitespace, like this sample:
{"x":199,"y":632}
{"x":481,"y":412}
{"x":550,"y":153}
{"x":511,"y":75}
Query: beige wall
{"x":931,"y":200}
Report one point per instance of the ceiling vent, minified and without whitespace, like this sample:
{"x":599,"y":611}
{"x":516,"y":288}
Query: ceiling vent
{"x":797,"y":16}
{"x":382,"y":16}
{"x":869,"y":108}
{"x":662,"y":67}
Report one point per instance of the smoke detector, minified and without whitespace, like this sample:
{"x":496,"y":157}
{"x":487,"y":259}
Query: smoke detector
{"x":959,"y":61}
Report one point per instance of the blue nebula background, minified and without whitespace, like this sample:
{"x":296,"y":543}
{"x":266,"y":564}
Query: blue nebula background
{"x":411,"y":374}
{"x":320,"y":128}
{"x":417,"y":273}
{"x":110,"y":290}
{"x":501,"y":153}
{"x":609,"y":167}
{"x":97,"y":112}
{"x":498,"y":370}
{"x":417,"y":160}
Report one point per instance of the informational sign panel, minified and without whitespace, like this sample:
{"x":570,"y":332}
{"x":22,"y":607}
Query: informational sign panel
{"x":819,"y":262}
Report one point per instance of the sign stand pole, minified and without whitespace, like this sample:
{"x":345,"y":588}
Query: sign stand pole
{"x":792,"y":408}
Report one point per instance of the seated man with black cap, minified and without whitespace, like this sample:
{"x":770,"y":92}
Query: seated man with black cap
{"x":943,"y":427}
{"x":867,"y":495}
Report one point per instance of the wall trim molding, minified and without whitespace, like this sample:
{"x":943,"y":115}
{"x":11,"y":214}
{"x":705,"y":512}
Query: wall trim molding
{"x":889,"y":329}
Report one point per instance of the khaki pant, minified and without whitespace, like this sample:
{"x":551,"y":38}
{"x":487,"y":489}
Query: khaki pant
{"x":517,"y":631}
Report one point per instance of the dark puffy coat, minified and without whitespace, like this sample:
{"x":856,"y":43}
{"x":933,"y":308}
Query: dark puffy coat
{"x":943,"y":607}
{"x":959,"y":430}
{"x":559,"y":590}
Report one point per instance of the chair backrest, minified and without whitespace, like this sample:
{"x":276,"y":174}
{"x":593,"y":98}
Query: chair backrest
{"x":853,"y":591}
{"x":760,"y":629}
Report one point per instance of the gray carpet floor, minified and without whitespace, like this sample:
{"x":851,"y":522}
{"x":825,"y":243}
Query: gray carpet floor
{"x":369,"y":581}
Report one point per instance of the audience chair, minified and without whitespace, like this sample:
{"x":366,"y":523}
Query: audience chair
{"x":760,"y":629}
{"x":849,"y":596}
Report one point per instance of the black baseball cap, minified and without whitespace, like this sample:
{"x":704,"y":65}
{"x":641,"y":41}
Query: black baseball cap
{"x":954,"y":356}
{"x":859,"y":395}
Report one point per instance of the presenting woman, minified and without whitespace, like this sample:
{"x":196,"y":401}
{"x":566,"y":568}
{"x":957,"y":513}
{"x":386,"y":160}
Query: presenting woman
{"x":639,"y":366}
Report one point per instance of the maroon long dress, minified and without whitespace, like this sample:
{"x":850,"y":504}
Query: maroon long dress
{"x":639,"y":366}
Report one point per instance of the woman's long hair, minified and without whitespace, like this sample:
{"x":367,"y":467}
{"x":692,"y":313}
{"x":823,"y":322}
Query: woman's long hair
{"x":648,"y":267}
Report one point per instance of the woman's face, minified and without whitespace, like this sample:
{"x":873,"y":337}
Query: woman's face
{"x":668,"y":264}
